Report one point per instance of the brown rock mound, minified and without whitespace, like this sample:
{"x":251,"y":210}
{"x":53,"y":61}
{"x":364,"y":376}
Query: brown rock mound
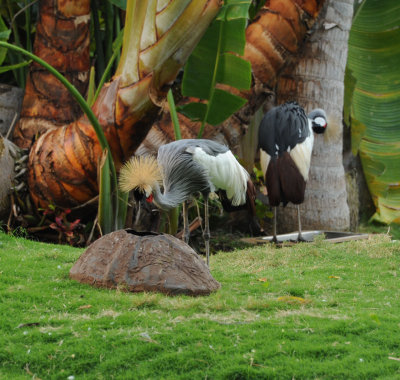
{"x":144,"y":261}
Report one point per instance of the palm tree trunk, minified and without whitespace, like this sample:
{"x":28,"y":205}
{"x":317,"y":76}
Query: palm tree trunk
{"x":62,"y":39}
{"x":318,"y":82}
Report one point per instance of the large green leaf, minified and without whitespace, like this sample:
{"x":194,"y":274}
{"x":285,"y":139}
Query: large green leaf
{"x":216,"y":60}
{"x":374,"y":62}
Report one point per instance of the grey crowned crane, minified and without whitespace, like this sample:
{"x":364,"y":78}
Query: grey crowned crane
{"x":184,"y":168}
{"x":286,"y":141}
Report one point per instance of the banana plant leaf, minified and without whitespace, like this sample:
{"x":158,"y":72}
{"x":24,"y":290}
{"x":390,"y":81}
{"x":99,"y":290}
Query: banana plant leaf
{"x":373,"y":72}
{"x":216,"y":60}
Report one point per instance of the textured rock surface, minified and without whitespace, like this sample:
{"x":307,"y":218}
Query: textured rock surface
{"x":8,"y":154}
{"x":10,"y":104}
{"x":144,"y":262}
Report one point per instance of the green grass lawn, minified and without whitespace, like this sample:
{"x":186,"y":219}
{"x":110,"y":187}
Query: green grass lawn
{"x":312,"y":311}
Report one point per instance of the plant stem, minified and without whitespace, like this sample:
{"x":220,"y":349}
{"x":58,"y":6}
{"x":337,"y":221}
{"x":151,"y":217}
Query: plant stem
{"x":174,"y":115}
{"x":28,"y":25}
{"x":213,"y":82}
{"x":108,"y":69}
{"x":19,"y":73}
{"x":99,"y":44}
{"x":109,"y":19}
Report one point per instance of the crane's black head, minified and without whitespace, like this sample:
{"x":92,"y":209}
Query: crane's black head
{"x":141,"y":196}
{"x":318,"y":120}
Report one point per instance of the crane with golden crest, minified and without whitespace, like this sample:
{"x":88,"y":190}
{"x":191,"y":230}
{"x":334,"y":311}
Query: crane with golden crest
{"x":184,"y":168}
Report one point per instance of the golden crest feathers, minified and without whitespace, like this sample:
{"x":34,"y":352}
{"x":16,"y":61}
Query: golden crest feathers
{"x":140,"y":173}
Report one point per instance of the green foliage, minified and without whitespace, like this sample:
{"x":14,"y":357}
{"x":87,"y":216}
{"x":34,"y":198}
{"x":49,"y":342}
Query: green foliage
{"x":107,"y":71}
{"x":4,"y":35}
{"x":317,"y":310}
{"x":174,"y":115}
{"x":215,"y":60}
{"x":105,"y":195}
{"x":372,"y":84}
{"x":106,"y":34}
{"x":17,"y":19}
{"x":119,"y":3}
{"x":255,"y":6}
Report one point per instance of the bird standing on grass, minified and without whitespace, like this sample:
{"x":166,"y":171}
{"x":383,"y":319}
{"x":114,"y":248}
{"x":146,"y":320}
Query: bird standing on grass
{"x":286,"y":140}
{"x":186,"y":167}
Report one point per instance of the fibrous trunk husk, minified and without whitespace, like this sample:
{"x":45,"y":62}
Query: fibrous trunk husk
{"x":62,"y":39}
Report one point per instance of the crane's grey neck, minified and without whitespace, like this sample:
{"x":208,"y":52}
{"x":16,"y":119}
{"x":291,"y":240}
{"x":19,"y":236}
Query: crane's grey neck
{"x":165,"y":201}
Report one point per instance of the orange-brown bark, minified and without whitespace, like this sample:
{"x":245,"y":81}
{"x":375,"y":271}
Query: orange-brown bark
{"x":275,"y":37}
{"x":62,"y":39}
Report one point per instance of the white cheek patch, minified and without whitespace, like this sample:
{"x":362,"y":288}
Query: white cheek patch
{"x":320,"y":121}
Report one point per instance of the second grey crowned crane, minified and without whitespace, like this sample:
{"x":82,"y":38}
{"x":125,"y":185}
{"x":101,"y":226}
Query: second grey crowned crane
{"x":186,"y":167}
{"x":286,"y":141}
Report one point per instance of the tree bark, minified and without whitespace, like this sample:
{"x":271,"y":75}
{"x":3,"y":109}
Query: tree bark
{"x":318,"y":82}
{"x":62,"y":39}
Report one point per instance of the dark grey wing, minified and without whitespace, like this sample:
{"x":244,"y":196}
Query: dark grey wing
{"x":266,"y":132}
{"x":293,"y":126}
{"x":182,"y":176}
{"x":282,"y":127}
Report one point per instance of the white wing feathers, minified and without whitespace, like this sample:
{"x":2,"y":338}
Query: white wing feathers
{"x":301,"y":154}
{"x":225,"y":173}
{"x":265,"y":158}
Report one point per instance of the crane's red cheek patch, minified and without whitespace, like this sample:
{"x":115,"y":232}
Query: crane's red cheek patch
{"x":150,"y":198}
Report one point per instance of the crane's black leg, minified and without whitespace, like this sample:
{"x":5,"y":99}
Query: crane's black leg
{"x":206,"y":233}
{"x":274,"y":239}
{"x":299,"y":236}
{"x":186,"y":231}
